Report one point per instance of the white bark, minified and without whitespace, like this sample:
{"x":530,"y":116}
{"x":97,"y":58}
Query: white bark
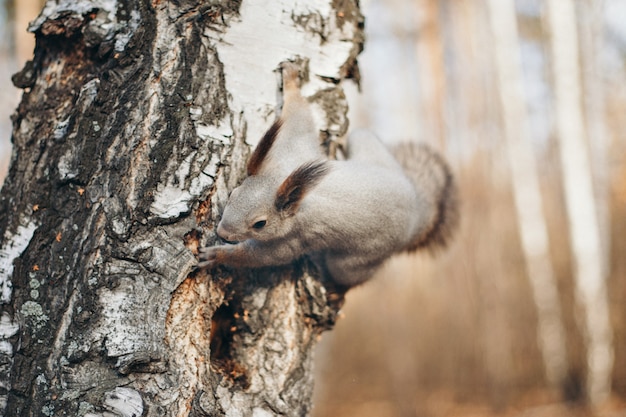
{"x":528,"y":202}
{"x":275,"y":22}
{"x":591,"y":290}
{"x":135,"y":123}
{"x":14,"y":246}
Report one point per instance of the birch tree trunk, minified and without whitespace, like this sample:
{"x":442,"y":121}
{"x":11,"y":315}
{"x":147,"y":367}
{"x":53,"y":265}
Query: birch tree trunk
{"x":432,"y":74}
{"x":590,"y":22}
{"x":528,"y":202}
{"x":590,"y":277}
{"x":136,"y":120}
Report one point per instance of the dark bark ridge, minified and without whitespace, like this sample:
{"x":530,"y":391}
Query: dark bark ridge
{"x":125,"y":146}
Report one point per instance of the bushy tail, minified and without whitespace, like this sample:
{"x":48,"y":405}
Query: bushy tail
{"x":432,"y":177}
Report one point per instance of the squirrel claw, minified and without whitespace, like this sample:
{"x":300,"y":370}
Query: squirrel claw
{"x":208,"y":253}
{"x":206,"y":264}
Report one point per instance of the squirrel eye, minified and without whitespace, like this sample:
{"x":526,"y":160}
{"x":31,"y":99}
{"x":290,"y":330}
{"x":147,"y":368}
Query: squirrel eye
{"x":259,"y":225}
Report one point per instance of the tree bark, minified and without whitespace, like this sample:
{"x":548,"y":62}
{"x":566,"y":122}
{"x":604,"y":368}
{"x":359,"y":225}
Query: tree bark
{"x":136,"y":120}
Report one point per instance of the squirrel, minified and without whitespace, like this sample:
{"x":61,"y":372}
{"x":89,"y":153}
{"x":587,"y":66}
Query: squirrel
{"x":349,"y":215}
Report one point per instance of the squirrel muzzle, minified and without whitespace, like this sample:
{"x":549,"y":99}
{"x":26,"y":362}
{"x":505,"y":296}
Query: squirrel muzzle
{"x":225,"y":234}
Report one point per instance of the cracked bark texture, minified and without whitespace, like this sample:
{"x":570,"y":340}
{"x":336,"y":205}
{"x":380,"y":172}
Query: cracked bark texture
{"x":136,"y":121}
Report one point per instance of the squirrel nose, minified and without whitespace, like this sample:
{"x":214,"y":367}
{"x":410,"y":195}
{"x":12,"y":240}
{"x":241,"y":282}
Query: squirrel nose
{"x":223,"y":233}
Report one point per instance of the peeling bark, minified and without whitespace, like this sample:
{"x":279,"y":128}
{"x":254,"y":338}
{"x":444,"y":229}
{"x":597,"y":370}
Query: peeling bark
{"x":136,"y":121}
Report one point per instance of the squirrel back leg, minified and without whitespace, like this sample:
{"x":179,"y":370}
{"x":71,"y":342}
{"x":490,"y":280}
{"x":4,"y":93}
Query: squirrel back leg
{"x":293,"y":102}
{"x":365,"y":146}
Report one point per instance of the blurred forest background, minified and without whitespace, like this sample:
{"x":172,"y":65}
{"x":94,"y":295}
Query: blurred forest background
{"x":525,"y":314}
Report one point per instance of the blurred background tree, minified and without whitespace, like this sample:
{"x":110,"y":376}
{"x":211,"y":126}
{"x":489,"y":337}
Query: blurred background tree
{"x":16,"y":47}
{"x":526,"y":313}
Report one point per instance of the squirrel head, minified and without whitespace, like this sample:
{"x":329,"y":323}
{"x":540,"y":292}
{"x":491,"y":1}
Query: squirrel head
{"x":264,"y":208}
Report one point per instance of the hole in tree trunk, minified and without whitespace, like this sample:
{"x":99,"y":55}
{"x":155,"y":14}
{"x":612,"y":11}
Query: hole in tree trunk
{"x":223,"y":331}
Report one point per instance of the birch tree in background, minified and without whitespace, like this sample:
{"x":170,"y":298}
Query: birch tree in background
{"x":24,"y":11}
{"x":591,"y":288}
{"x":526,"y":191}
{"x":136,"y":120}
{"x":591,"y":23}
{"x":432,"y":73}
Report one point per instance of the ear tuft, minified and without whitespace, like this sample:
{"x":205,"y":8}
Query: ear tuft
{"x":298,"y":184}
{"x":263,"y":148}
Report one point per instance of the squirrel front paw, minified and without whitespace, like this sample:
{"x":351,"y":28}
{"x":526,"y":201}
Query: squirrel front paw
{"x":208,"y":256}
{"x":212,"y":256}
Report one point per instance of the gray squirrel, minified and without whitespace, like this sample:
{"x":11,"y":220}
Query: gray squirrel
{"x":349,"y":215}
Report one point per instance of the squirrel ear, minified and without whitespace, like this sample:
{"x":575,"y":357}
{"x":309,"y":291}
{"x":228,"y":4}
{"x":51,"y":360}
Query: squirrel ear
{"x":297,"y":184}
{"x":263,"y":148}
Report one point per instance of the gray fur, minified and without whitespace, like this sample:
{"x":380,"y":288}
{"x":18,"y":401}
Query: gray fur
{"x":356,"y":215}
